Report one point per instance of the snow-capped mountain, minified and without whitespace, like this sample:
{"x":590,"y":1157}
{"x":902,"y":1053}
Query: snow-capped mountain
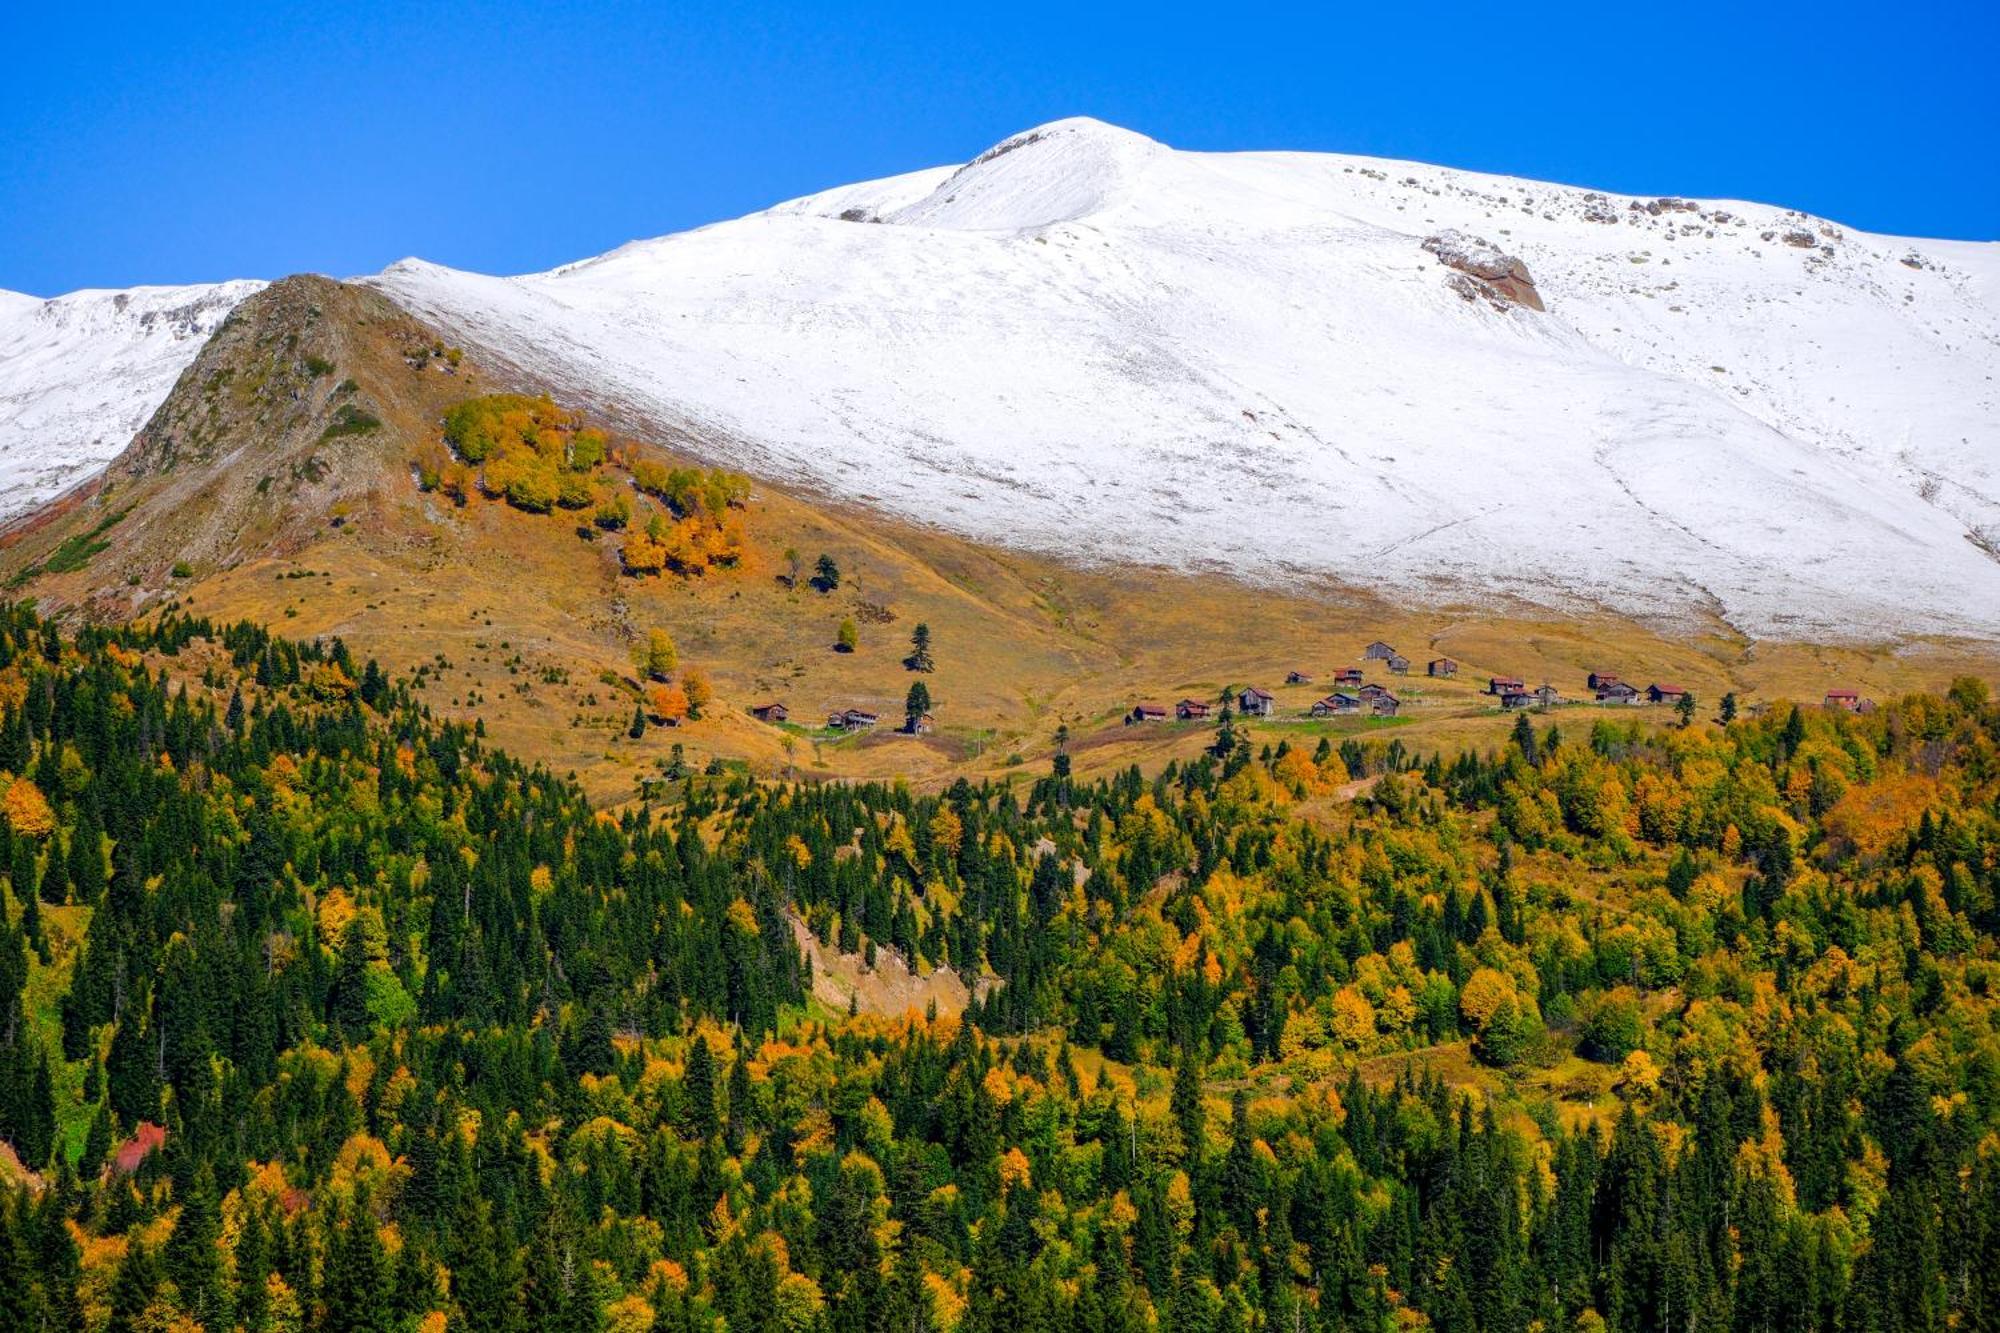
{"x":81,"y":373}
{"x":1084,"y":341}
{"x":1317,"y":368}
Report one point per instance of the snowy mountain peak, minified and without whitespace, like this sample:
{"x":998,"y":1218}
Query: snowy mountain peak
{"x":1317,"y":368}
{"x":1059,"y":172}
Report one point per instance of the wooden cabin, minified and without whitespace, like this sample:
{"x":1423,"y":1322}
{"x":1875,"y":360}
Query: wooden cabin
{"x":772,"y":713}
{"x":1193,"y":710}
{"x":1398,"y":664}
{"x":851,"y":719}
{"x":1371,"y":692}
{"x":1335,"y":705}
{"x":1664,"y":694}
{"x":1505,"y":684}
{"x":1514,"y":700}
{"x":1384,"y":704}
{"x":1254,"y":702}
{"x":923,"y":724}
{"x":1297,"y":678}
{"x":1849,"y":700}
{"x":1377,"y":651}
{"x":1147,"y":713}
{"x":1347,"y":676}
{"x":1600,"y":680}
{"x":1441,"y":667}
{"x":1547,"y":696}
{"x":1617,"y":692}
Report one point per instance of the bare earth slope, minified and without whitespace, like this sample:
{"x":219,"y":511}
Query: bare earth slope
{"x":1089,"y":344}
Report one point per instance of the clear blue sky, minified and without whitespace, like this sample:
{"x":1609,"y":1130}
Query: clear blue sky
{"x":182,"y":143}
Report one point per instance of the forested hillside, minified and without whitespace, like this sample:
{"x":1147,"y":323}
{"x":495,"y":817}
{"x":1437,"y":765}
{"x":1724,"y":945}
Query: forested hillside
{"x":318,"y":1013}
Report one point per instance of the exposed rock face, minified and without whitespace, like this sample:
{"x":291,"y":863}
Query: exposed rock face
{"x":1483,"y":272}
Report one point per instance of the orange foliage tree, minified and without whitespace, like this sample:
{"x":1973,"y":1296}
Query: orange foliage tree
{"x":667,"y":703}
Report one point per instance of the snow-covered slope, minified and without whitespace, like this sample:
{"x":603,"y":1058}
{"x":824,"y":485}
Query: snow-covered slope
{"x":80,"y":374}
{"x":1084,"y":341}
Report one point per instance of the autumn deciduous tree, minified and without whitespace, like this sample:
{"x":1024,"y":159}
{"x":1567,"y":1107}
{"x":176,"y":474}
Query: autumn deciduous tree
{"x":848,"y":637}
{"x":641,"y":554}
{"x":614,"y":513}
{"x":1353,"y":1020}
{"x":657,"y":657}
{"x":668,"y":704}
{"x":27,"y":810}
{"x":695,"y":684}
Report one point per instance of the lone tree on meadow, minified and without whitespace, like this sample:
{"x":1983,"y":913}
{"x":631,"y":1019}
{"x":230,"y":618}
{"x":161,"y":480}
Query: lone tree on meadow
{"x":826,"y":575}
{"x":848,"y":637}
{"x":1728,"y":708}
{"x":915,"y":704}
{"x":657,"y":656}
{"x":920,"y":650}
{"x":1684,"y":708}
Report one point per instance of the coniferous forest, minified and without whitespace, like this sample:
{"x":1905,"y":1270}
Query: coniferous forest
{"x":316,"y":1013}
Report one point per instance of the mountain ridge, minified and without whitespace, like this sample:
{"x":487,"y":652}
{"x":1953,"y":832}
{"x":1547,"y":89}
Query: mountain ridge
{"x":1317,"y":370}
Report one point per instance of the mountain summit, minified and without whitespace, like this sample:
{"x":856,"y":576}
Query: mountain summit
{"x":1320,"y":370}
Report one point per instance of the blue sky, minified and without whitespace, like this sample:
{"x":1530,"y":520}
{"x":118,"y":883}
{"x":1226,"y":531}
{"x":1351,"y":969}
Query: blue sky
{"x":183,"y":143}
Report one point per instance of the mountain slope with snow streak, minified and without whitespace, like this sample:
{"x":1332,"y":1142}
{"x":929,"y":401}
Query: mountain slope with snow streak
{"x":79,"y":374}
{"x":1086,"y":342}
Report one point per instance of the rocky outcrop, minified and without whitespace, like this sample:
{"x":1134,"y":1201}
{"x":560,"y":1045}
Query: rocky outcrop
{"x":1480,"y":271}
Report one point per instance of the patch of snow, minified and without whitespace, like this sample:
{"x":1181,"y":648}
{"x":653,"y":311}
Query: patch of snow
{"x":80,"y":374}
